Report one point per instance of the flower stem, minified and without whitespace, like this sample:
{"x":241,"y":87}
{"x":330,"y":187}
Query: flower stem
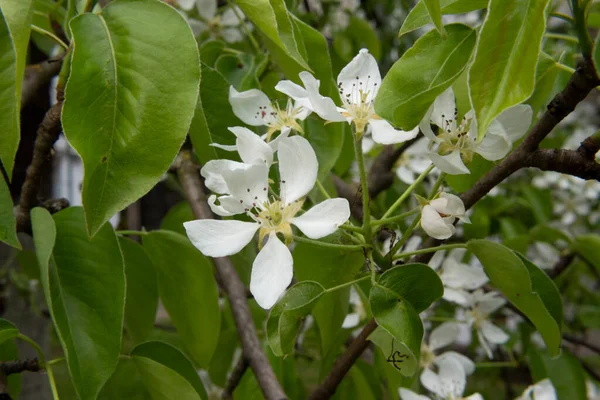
{"x":352,"y":228}
{"x":52,"y":383}
{"x":322,"y":189}
{"x":561,"y":36}
{"x":437,"y":185}
{"x":343,"y":285}
{"x":365,"y":189}
{"x":429,"y":250}
{"x":37,"y":348}
{"x":126,"y":232}
{"x":499,"y":364}
{"x":395,"y":218}
{"x":407,"y":192}
{"x":406,"y":235}
{"x":348,"y":247}
{"x":50,"y":35}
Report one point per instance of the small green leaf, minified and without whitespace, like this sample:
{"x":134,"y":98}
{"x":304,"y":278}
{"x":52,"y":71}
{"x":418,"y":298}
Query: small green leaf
{"x":162,"y":382}
{"x":130,"y":100}
{"x":141,"y":300}
{"x":548,"y":234}
{"x":44,"y":12}
{"x":503,"y":72}
{"x":210,"y":52}
{"x":15,"y":27}
{"x":532,"y":293}
{"x":546,"y":73}
{"x":188,"y":291}
{"x":589,"y":316}
{"x":8,"y":224}
{"x":588,"y":247}
{"x":565,"y":372}
{"x":422,"y":73}
{"x":7,"y":330}
{"x":419,"y":15}
{"x":285,"y":318}
{"x":84,"y":285}
{"x":239,"y":70}
{"x":435,"y":13}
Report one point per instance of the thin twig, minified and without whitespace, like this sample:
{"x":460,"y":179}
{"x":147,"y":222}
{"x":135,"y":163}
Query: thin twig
{"x":234,"y":378}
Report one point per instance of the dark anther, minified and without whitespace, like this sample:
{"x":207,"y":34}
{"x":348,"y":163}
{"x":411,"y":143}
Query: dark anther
{"x":248,"y":190}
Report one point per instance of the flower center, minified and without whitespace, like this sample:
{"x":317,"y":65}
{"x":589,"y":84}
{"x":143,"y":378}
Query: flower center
{"x":281,"y":118}
{"x":276,"y":217}
{"x":358,"y":103}
{"x":427,"y":356}
{"x":456,"y":137}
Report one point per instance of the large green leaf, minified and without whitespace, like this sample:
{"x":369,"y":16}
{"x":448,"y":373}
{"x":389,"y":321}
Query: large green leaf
{"x":400,"y":294}
{"x":419,"y":15}
{"x":8,"y":232}
{"x":422,"y":73}
{"x":532,"y":293}
{"x":188,"y":291}
{"x":565,"y":372}
{"x":588,"y":247}
{"x":285,"y":318}
{"x":129,"y":101}
{"x":435,"y":13}
{"x":84,"y":284}
{"x":503,"y":72}
{"x":15,"y":27}
{"x":142,"y":292}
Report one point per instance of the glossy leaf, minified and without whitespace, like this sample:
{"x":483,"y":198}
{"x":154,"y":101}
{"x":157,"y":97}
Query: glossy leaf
{"x":188,"y":291}
{"x":503,"y":72}
{"x":141,"y":300}
{"x":176,"y":216}
{"x":546,"y":73}
{"x":565,"y":372}
{"x":419,"y":15}
{"x":130,"y":99}
{"x":588,"y":247}
{"x":428,"y":68}
{"x":532,"y":293}
{"x":15,"y":27}
{"x":162,"y":382}
{"x":84,"y":284}
{"x":285,"y":318}
{"x":8,"y":224}
{"x":435,"y":13}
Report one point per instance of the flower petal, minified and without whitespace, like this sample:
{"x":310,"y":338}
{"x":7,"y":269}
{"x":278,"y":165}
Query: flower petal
{"x":512,"y":123}
{"x":462,"y":276}
{"x":186,"y":4}
{"x":443,"y":335}
{"x":207,"y":9}
{"x":444,"y":113}
{"x":219,"y":238}
{"x":323,"y":106}
{"x":452,"y":376}
{"x":351,"y":320}
{"x":324,"y":218}
{"x":384,"y":132}
{"x":434,"y":225}
{"x":465,"y":362}
{"x":298,"y":168}
{"x":544,"y":390}
{"x":252,"y":149}
{"x":249,"y":186}
{"x":407,"y":394}
{"x":431,"y":381}
{"x":229,"y":17}
{"x":493,"y":147}
{"x":492,"y":333}
{"x":425,"y":125}
{"x":451,"y":164}
{"x":285,"y":132}
{"x":252,"y":106}
{"x":360,"y":75}
{"x":457,"y":296}
{"x":454,"y":205}
{"x":226,"y":147}
{"x":272,"y":272}
{"x":214,"y":170}
{"x":227,"y":207}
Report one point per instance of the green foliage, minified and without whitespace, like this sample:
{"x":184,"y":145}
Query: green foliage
{"x":435,"y":13}
{"x":129,"y":100}
{"x":428,"y":68}
{"x":588,"y":247}
{"x":564,"y":371}
{"x":419,"y":15}
{"x":8,"y":233}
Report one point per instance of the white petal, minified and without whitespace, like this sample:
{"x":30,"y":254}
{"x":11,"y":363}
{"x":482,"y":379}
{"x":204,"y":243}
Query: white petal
{"x":249,"y":186}
{"x":219,"y":238}
{"x":229,"y":17}
{"x":474,"y":396}
{"x":444,"y":110}
{"x":425,"y":125}
{"x":323,"y":106}
{"x":231,"y":35}
{"x":493,"y":147}
{"x":513,"y":122}
{"x":493,"y":334}
{"x":457,"y":296}
{"x":443,"y":335}
{"x":186,"y":4}
{"x":465,"y":362}
{"x":384,"y":132}
{"x":407,"y":394}
{"x":454,"y":205}
{"x":405,"y":175}
{"x":431,"y":381}
{"x":462,"y":276}
{"x":285,"y":132}
{"x":362,"y":73}
{"x":490,"y":303}
{"x":324,"y":218}
{"x":451,"y":164}
{"x":252,"y":106}
{"x":226,"y":147}
{"x":214,"y":170}
{"x":228,"y":205}
{"x":252,"y":149}
{"x":367,"y":144}
{"x":544,"y":390}
{"x":207,"y":8}
{"x":434,"y":225}
{"x":298,"y":168}
{"x":292,"y":90}
{"x":485,"y":344}
{"x":452,"y":377}
{"x":352,"y":320}
{"x":272,"y":272}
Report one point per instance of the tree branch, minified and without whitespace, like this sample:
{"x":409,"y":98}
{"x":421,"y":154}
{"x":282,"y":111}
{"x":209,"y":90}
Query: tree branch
{"x":235,"y":289}
{"x":15,"y":367}
{"x":36,"y":77}
{"x":234,"y":378}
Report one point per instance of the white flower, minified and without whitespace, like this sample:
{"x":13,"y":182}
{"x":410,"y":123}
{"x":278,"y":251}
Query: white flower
{"x":358,"y":84}
{"x":543,"y":390}
{"x":448,"y":384}
{"x":353,"y":319}
{"x":245,"y":189}
{"x":458,"y":278}
{"x":438,"y":215}
{"x":456,"y":143}
{"x":413,"y":162}
{"x":254,"y":108}
{"x":482,"y":306}
{"x":224,"y":26}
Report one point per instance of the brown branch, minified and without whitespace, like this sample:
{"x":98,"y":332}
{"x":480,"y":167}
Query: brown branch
{"x":343,"y":364}
{"x":235,"y":289}
{"x":234,"y":378}
{"x":36,"y":77}
{"x":575,"y":340}
{"x":561,"y":265}
{"x":15,"y":367}
{"x":381,"y":175}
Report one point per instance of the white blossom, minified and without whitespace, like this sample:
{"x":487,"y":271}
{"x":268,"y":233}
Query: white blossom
{"x":542,"y":390}
{"x":481,"y":307}
{"x":438,"y":215}
{"x":224,"y":26}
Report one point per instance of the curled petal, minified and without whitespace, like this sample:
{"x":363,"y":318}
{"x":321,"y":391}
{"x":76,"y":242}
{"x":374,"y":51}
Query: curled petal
{"x":434,"y":225}
{"x":227,"y":207}
{"x":252,"y":106}
{"x":272,"y":272}
{"x":226,"y":147}
{"x":252,"y":149}
{"x":406,"y":394}
{"x":384,"y":132}
{"x":466,"y":363}
{"x":214,"y":171}
{"x":220,"y":238}
{"x":360,"y":75}
{"x":454,"y":205}
{"x":324,"y":218}
{"x":451,"y":164}
{"x":493,"y":147}
{"x":297,"y":168}
{"x":323,"y":106}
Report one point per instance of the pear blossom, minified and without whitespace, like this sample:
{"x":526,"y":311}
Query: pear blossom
{"x":224,"y":26}
{"x":244,"y":188}
{"x":542,"y":390}
{"x":458,"y":278}
{"x":448,"y":384}
{"x":456,"y":143}
{"x":358,"y":84}
{"x":413,"y":162}
{"x":438,"y":215}
{"x":353,"y":319}
{"x":481,"y":307}
{"x":254,"y":108}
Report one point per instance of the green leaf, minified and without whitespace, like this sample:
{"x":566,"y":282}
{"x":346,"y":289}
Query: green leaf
{"x":428,"y":68}
{"x":588,"y":247}
{"x":272,"y":19}
{"x":176,"y":216}
{"x":238,"y":70}
{"x":130,"y":99}
{"x":548,"y":234}
{"x":44,"y":12}
{"x":435,"y":13}
{"x":15,"y":27}
{"x":188,"y":291}
{"x":565,"y":372}
{"x":84,"y":284}
{"x":503,"y":72}
{"x":141,"y":300}
{"x":419,"y":15}
{"x":162,"y":382}
{"x":8,"y":224}
{"x":7,"y":330}
{"x":530,"y":292}
{"x":589,"y":316}
{"x":285,"y":318}
{"x":400,"y":294}
{"x":172,"y":358}
{"x":362,"y":35}
{"x":546,"y":73}
{"x":210,"y":51}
